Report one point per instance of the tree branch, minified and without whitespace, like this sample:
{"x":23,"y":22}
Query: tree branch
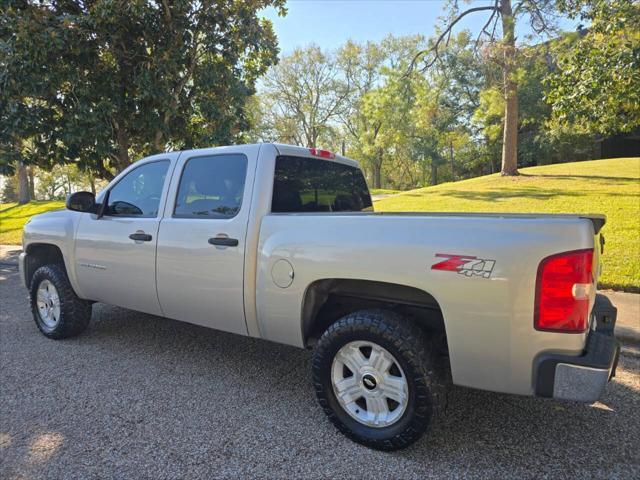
{"x":494,"y":15}
{"x":535,"y":12}
{"x":447,"y":32}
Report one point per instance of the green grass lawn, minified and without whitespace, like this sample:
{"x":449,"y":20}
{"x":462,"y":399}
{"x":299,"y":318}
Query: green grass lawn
{"x":14,"y":216}
{"x":609,"y":186}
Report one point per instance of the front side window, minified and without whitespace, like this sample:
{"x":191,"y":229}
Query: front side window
{"x":211,"y":187}
{"x":138,"y":193}
{"x":313,"y":185}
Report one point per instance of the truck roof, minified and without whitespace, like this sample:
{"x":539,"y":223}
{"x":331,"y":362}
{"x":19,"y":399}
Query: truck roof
{"x":282,"y":149}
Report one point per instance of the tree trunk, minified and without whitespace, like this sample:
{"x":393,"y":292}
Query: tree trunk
{"x":377,"y":171}
{"x":377,"y":177}
{"x":158,"y":141}
{"x":424,"y":173}
{"x":434,"y":172}
{"x":92,"y":183}
{"x":510,"y":137}
{"x":453,"y":173}
{"x":23,"y":184}
{"x":311,"y":137}
{"x":123,"y":150}
{"x":32,"y":186}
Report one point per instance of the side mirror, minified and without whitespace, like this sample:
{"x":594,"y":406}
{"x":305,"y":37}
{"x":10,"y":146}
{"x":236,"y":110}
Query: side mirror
{"x":82,"y":202}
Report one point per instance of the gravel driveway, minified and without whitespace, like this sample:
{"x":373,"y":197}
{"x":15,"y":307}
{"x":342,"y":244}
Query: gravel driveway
{"x":137,"y":396}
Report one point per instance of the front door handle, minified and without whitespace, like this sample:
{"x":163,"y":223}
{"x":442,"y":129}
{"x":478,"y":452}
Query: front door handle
{"x":140,"y":237}
{"x":224,"y":241}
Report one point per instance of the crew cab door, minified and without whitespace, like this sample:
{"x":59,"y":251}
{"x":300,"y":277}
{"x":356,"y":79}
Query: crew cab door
{"x":115,"y":254}
{"x":201,"y":242}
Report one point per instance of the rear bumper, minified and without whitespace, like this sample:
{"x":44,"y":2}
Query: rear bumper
{"x":582,"y":378}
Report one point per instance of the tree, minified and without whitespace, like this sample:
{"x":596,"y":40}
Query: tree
{"x":596,"y":87}
{"x":489,"y":117}
{"x":446,"y":103}
{"x":501,"y":12}
{"x":363,"y":64}
{"x":304,"y":95}
{"x":376,"y":116}
{"x":120,"y":78}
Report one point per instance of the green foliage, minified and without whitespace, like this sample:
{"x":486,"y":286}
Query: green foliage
{"x":100,"y":83}
{"x":378,"y":119}
{"x":447,"y":97}
{"x":103,"y":81}
{"x":602,"y":186}
{"x":9,"y":193}
{"x":541,"y":140}
{"x":419,"y":128}
{"x":61,"y":180}
{"x":596,"y":88}
{"x":488,"y":117}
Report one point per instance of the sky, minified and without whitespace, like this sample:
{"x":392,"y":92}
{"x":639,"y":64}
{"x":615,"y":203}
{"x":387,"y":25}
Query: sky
{"x":330,"y":23}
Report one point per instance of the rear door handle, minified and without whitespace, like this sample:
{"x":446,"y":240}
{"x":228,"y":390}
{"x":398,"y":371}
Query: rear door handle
{"x":140,"y":237}
{"x":224,"y":241}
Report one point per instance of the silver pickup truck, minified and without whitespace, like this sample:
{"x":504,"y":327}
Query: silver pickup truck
{"x":281,"y":243}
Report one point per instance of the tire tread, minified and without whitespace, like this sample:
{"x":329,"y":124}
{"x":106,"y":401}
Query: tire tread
{"x":75,"y":313}
{"x":417,"y":351}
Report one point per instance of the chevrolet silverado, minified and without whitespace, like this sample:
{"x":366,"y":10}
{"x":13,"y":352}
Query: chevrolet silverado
{"x":281,"y":243}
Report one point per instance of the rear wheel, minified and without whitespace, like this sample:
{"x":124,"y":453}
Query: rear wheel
{"x":57,"y":310}
{"x":375,"y":377}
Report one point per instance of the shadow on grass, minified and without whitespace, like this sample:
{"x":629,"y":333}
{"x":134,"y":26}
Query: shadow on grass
{"x":3,"y":210}
{"x":533,"y":193}
{"x":12,"y":229}
{"x":524,"y":193}
{"x":497,"y":195}
{"x":617,"y":180}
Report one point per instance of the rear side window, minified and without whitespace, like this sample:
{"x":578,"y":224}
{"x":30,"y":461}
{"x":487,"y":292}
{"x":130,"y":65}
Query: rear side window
{"x":211,"y":187}
{"x":313,"y":185}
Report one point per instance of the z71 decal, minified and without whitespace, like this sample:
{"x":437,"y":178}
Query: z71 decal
{"x":465,"y":265}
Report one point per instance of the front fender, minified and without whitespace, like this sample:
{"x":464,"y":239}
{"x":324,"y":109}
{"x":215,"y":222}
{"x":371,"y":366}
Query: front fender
{"x":53,"y":228}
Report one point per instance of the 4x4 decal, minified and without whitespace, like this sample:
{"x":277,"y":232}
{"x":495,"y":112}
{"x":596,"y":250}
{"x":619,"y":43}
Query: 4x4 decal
{"x":465,"y":265}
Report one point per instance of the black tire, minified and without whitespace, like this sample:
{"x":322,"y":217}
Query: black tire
{"x":75,"y":313}
{"x":411,"y":349}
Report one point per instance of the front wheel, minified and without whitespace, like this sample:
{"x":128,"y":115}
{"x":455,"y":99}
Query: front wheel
{"x":375,"y":377}
{"x":57,"y":310}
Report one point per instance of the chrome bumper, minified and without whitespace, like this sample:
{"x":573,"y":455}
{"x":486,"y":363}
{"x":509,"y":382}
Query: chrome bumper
{"x":582,"y":378}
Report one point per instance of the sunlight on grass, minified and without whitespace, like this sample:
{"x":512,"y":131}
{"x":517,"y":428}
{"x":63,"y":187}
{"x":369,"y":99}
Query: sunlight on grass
{"x":14,"y":216}
{"x":610,"y":186}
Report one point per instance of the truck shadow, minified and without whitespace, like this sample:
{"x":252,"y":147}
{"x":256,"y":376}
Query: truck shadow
{"x":474,"y":423}
{"x":159,"y":395}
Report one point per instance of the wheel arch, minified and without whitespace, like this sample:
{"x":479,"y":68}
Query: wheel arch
{"x":327,"y":300}
{"x":39,"y":254}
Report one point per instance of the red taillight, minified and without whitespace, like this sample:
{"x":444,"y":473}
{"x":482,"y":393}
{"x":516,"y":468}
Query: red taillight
{"x":316,"y":152}
{"x":563,"y":289}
